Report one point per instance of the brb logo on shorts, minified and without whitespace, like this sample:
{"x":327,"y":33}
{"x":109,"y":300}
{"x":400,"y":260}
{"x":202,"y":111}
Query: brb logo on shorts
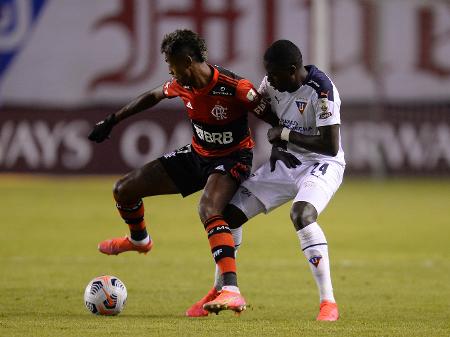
{"x":17,"y":18}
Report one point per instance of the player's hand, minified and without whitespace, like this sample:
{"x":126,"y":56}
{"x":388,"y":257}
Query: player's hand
{"x":102,"y":129}
{"x":274,"y":134}
{"x":278,"y":153}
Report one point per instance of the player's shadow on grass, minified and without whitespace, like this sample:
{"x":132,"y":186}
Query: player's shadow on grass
{"x":77,"y":316}
{"x":157,"y":315}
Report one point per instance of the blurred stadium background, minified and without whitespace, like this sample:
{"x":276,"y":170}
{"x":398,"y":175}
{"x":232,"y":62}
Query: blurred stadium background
{"x":65,"y":64}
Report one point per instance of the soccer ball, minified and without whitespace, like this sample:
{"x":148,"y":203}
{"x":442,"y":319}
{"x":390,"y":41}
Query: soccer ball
{"x":105,"y":295}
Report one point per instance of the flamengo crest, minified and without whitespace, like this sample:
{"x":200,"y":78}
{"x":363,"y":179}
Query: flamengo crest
{"x":219,"y":112}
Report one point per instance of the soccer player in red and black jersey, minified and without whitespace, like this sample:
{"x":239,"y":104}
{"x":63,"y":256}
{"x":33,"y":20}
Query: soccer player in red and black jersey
{"x":218,"y":160}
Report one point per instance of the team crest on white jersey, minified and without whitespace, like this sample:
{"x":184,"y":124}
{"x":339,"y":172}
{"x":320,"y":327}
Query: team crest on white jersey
{"x":301,"y":105}
{"x":219,"y":112}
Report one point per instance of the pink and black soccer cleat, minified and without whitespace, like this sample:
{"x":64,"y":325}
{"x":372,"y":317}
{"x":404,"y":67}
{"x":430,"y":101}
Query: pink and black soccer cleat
{"x":196,"y":310}
{"x":119,"y":245}
{"x":328,"y":311}
{"x":227,"y":300}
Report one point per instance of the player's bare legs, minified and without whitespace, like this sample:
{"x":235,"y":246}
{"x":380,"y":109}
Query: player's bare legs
{"x":151,"y":179}
{"x":217,"y":193}
{"x":314,"y":246}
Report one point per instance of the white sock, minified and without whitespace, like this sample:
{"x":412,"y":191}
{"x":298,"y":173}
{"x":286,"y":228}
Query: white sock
{"x":233,"y":289}
{"x":237,"y":238}
{"x":315,"y":248}
{"x":142,"y":242}
{"x":218,"y":281}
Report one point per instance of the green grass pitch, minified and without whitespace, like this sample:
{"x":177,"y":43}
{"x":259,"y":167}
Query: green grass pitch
{"x":389,"y":245}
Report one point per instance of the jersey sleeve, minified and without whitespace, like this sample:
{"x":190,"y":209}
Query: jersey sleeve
{"x":263,"y":88}
{"x":247,"y":94}
{"x":255,"y":102}
{"x":327,"y":108}
{"x":170,"y":89}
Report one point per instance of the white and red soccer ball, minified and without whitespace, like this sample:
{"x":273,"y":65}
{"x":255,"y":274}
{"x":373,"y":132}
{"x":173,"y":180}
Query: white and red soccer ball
{"x":105,"y":295}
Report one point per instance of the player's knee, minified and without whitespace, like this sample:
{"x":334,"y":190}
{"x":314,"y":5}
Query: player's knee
{"x":233,"y":216}
{"x":122,"y":191}
{"x":206,"y":210}
{"x":303,"y":214}
{"x":118,"y":189}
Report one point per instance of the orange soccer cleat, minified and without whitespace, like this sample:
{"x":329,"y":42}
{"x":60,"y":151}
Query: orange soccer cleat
{"x":328,"y":311}
{"x":196,"y":310}
{"x":227,"y":300}
{"x":119,"y":245}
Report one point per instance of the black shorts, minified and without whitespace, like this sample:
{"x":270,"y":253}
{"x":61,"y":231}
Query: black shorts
{"x":190,"y":171}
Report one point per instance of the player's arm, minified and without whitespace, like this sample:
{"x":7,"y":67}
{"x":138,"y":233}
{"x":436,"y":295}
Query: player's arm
{"x":256,"y":103}
{"x":143,"y":102}
{"x":327,"y":142}
{"x":264,"y":112}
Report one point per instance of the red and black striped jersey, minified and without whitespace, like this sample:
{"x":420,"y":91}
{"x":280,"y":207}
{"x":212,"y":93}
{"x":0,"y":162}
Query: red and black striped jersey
{"x":218,"y":112}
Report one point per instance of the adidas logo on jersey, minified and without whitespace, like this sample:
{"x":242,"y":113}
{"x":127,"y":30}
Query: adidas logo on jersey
{"x":220,"y":168}
{"x":189,"y":105}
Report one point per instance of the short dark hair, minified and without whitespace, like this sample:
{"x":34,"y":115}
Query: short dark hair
{"x":185,"y":41}
{"x":283,"y":53}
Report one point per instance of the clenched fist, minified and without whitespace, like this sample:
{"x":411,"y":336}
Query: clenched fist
{"x":102,"y":129}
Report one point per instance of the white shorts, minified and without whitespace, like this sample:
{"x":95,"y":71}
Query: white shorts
{"x":313,"y":182}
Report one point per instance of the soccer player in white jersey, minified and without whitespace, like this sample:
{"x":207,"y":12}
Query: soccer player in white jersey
{"x":307,"y":103}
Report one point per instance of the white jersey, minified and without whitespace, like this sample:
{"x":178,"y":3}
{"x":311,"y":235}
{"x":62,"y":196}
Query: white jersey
{"x":316,"y":103}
